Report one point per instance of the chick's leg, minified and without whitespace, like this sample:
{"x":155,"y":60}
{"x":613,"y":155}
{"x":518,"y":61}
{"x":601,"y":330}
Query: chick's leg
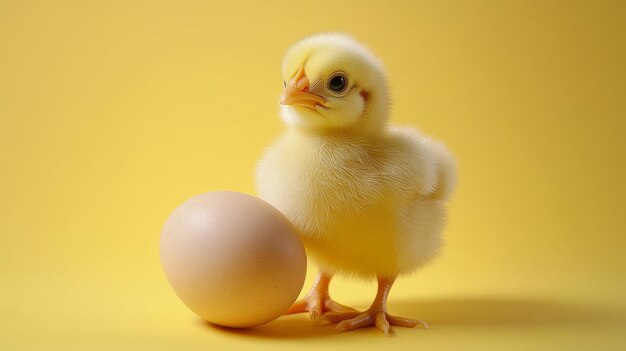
{"x":317,"y":300}
{"x":376,"y":315}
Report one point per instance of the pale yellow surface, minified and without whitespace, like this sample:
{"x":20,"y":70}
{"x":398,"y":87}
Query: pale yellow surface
{"x":114,"y":112}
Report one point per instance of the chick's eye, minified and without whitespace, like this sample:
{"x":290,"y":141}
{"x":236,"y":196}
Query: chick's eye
{"x":338,"y":83}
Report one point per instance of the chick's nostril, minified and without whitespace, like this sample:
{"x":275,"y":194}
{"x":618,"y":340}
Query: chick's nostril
{"x":303,"y":84}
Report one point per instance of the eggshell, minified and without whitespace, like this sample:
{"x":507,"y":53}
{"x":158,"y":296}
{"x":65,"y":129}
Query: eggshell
{"x":232,"y":258}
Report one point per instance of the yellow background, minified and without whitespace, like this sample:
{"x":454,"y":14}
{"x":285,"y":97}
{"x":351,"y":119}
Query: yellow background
{"x":114,"y":112}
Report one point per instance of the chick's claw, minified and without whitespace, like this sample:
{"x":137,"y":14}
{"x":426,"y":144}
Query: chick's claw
{"x":369,"y":318}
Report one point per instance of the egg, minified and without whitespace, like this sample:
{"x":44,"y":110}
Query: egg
{"x":232,"y":258}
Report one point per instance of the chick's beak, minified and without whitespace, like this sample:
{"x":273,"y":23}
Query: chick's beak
{"x":297,"y":92}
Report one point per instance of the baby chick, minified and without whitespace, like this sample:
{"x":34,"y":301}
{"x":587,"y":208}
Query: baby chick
{"x":368,"y":199}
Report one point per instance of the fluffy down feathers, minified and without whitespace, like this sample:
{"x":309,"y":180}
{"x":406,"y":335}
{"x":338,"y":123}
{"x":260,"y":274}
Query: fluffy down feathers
{"x":367,"y":200}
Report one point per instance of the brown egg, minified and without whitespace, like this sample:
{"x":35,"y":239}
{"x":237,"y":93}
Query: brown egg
{"x":232,"y":258}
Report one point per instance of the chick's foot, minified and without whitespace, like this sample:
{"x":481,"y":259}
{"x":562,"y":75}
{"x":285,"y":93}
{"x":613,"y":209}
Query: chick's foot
{"x":370,"y":318}
{"x":317,"y":305}
{"x":376,"y":315}
{"x":317,"y":301}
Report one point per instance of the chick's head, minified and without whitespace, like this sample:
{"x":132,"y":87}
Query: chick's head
{"x":333,"y":82}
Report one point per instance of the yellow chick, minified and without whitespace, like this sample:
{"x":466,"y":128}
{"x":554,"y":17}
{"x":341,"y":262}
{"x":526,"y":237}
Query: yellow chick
{"x":368,"y":199}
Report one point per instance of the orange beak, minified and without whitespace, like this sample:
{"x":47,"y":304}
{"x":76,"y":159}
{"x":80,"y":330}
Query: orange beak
{"x":297,"y":92}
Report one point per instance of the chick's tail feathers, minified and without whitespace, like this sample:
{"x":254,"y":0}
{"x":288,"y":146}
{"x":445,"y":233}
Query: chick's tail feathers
{"x":446,"y":172}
